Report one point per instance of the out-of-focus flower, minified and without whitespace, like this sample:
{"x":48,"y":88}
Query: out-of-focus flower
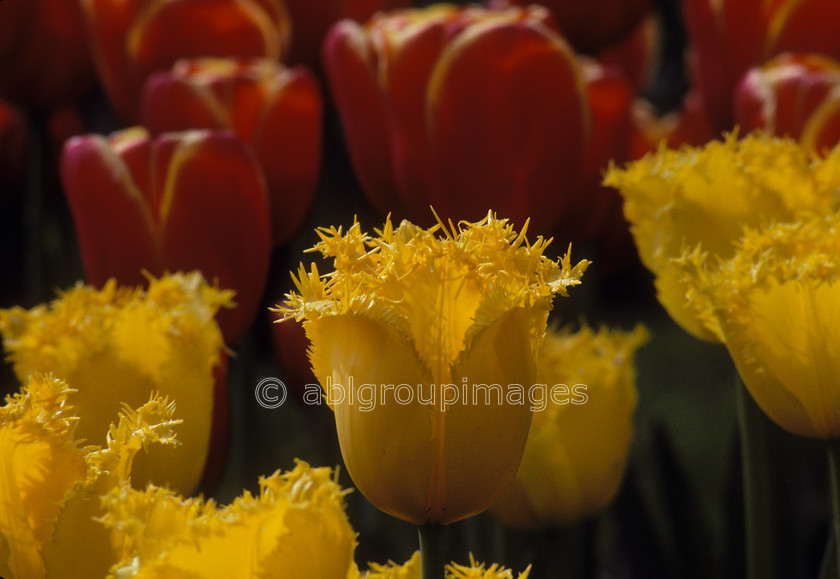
{"x":295,"y":527}
{"x":411,"y":570}
{"x":180,"y":202}
{"x":133,"y":38}
{"x":774,"y":304}
{"x":636,"y":54}
{"x":311,"y":20}
{"x":274,"y":109}
{"x":437,"y":314}
{"x":705,"y":196}
{"x":44,"y":54}
{"x":727,"y":37}
{"x":118,"y":345}
{"x":463,"y":108}
{"x":577,"y":448}
{"x":794,"y":95}
{"x":591,"y":26}
{"x":690,"y":125}
{"x":50,"y":484}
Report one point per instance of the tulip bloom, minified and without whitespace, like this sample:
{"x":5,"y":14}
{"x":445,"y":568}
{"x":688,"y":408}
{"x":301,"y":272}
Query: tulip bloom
{"x":44,"y":53}
{"x":462,"y":108}
{"x":596,"y":24}
{"x":411,"y":570}
{"x":577,"y":447}
{"x":432,"y":311}
{"x":706,"y":196}
{"x":52,"y":478}
{"x":727,"y":37}
{"x":295,"y":527}
{"x":774,"y":304}
{"x":133,"y":38}
{"x":792,"y":95}
{"x":118,"y":345}
{"x":182,"y":201}
{"x":274,"y":109}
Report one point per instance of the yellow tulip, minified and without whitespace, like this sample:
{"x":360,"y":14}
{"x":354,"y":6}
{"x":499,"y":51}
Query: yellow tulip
{"x":410,"y":329}
{"x":295,"y":527}
{"x":411,"y":570}
{"x":116,"y":346}
{"x":775,"y":304}
{"x":577,"y":448}
{"x":50,"y":484}
{"x":704,"y":196}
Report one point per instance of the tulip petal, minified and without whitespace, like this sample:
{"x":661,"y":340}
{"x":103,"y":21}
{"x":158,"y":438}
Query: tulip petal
{"x":350,"y":65}
{"x":113,"y":222}
{"x":506,"y":121}
{"x":215,"y":219}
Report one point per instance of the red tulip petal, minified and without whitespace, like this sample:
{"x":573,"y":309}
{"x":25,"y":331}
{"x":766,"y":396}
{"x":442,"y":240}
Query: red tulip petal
{"x":350,"y":64}
{"x":508,"y":124}
{"x":114,"y":225}
{"x":216,"y":218}
{"x":287,"y":142}
{"x":170,"y":103}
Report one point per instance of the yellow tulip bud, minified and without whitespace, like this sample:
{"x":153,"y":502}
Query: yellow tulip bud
{"x":420,"y":338}
{"x":118,"y":345}
{"x":577,"y":447}
{"x":705,"y":196}
{"x":775,"y":304}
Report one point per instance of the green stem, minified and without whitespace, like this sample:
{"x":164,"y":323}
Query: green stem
{"x":432,"y":550}
{"x":834,"y":466}
{"x":756,"y":485}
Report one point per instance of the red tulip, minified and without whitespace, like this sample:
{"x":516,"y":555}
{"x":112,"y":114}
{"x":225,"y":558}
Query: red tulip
{"x":462,"y":108}
{"x":792,"y":95}
{"x":311,"y":20}
{"x":44,"y":54}
{"x":182,"y":201}
{"x":274,"y":109}
{"x":592,"y":25}
{"x":133,"y":38}
{"x":728,"y":37}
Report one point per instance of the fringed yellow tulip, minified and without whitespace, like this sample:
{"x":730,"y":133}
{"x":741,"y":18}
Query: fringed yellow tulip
{"x":410,"y":333}
{"x":411,"y":570}
{"x":296,"y":527}
{"x":775,"y":304}
{"x":117,"y":346}
{"x":50,"y":484}
{"x":577,"y":448}
{"x":680,"y":199}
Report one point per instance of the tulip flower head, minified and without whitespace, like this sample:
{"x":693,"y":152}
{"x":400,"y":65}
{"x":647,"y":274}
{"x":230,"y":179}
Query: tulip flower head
{"x":116,"y":347}
{"x":577,"y":448}
{"x":775,"y":304}
{"x":704,"y":196}
{"x":50,"y":483}
{"x":411,"y":570}
{"x":295,"y":527}
{"x":194,"y":200}
{"x":462,"y":108}
{"x":276,"y":110}
{"x":406,"y":319}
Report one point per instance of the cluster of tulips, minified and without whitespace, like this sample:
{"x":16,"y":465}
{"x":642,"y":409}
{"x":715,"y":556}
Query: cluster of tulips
{"x":164,"y":162}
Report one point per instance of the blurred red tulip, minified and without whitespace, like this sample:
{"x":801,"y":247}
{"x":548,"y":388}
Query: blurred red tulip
{"x":593,"y":25}
{"x":728,"y":37}
{"x":182,"y":201}
{"x":792,"y":95}
{"x":44,"y":54}
{"x":462,"y":108}
{"x":636,"y":54}
{"x":133,"y":38}
{"x":311,"y":20}
{"x":690,"y":125}
{"x":274,"y":109}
